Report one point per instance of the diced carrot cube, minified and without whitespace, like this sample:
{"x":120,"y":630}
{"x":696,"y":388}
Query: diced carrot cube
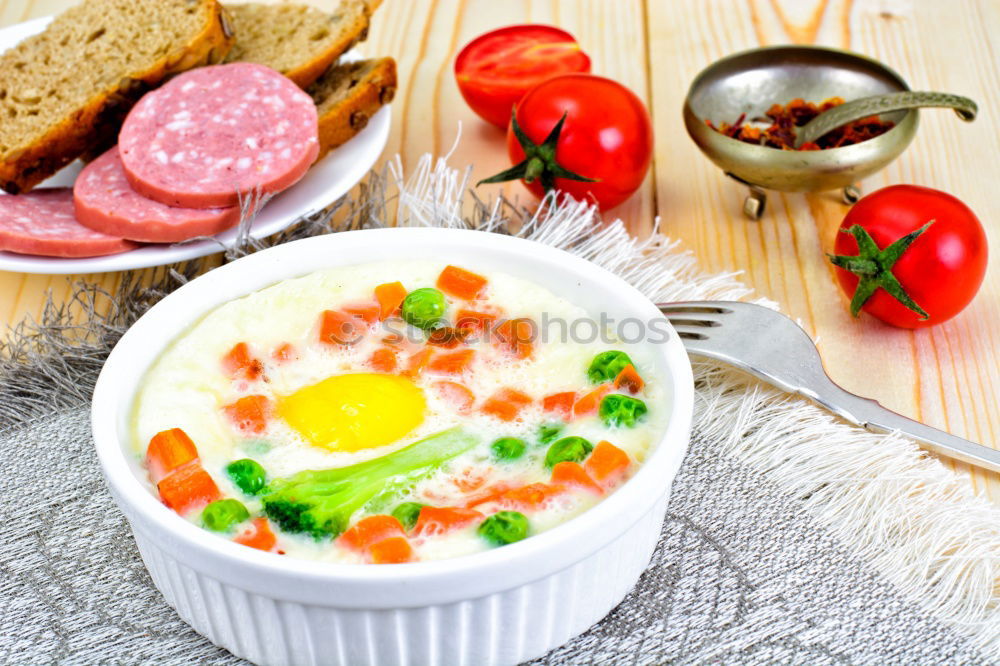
{"x":369,"y":530}
{"x":506,"y":404}
{"x":418,"y":362}
{"x":607,"y":464}
{"x":188,"y":488}
{"x":560,"y":403}
{"x":167,"y":451}
{"x":257,"y":535}
{"x":515,"y":337}
{"x":531,"y":497}
{"x":239,"y":363}
{"x":390,"y":296}
{"x":236,"y":358}
{"x":438,"y":520}
{"x":452,"y":363}
{"x":460,"y":397}
{"x":475,"y":319}
{"x":589,"y":403}
{"x":340,"y":328}
{"x":366,"y":312}
{"x":283,"y":352}
{"x":516,"y":397}
{"x":381,"y":538}
{"x":250,"y":413}
{"x":460,"y":282}
{"x":448,"y":337}
{"x":394,"y":550}
{"x":572,"y":475}
{"x":383,"y":359}
{"x":492,"y":494}
{"x":629,"y":380}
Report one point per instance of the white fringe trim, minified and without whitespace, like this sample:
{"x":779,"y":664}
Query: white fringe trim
{"x":917,"y":522}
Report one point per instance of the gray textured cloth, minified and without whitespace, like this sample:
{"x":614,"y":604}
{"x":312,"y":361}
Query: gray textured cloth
{"x":741,"y":576}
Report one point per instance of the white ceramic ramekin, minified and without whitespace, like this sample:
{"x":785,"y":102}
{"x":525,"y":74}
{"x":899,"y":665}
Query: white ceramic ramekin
{"x":502,"y":606}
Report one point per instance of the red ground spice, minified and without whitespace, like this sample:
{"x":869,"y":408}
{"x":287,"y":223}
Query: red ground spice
{"x":798,"y":112}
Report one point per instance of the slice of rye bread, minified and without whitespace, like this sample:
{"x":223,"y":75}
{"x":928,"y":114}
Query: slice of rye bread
{"x":66,"y":90}
{"x":347,"y":95}
{"x":299,"y":41}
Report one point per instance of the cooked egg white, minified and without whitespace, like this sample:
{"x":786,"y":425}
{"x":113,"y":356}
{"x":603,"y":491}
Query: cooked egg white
{"x":332,"y":410}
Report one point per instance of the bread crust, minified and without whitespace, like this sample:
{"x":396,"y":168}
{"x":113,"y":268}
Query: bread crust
{"x":101,"y":116}
{"x":308,"y":72}
{"x":305,"y":73}
{"x":349,"y":116}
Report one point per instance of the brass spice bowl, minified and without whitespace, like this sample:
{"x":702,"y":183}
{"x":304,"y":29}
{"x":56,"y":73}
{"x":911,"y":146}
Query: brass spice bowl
{"x":752,"y":81}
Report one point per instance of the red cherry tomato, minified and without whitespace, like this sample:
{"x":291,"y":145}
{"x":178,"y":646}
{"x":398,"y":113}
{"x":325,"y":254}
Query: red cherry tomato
{"x":496,"y":69}
{"x":941,"y":270}
{"x":607,"y":136}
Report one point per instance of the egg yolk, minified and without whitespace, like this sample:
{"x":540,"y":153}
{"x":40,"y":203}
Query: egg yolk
{"x":354,"y":412}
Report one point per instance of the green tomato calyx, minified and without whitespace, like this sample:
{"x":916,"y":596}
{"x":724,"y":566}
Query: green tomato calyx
{"x":539,"y":161}
{"x":874,"y":268}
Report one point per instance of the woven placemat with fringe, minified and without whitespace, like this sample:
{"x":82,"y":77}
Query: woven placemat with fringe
{"x":790,"y":537}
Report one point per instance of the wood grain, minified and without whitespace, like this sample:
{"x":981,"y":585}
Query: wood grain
{"x":947,"y":376}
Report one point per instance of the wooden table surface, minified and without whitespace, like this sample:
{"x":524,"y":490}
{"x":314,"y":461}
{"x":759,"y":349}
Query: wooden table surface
{"x":947,"y":376}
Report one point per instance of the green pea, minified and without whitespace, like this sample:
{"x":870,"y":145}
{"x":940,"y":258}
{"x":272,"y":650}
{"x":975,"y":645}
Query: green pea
{"x":424,"y":308}
{"x":504,"y":527}
{"x":247,"y":475}
{"x":221,"y":515}
{"x":621,"y":410}
{"x":607,"y":365}
{"x":407,"y":514}
{"x":547,"y":432}
{"x":574,"y":449}
{"x":508,"y":448}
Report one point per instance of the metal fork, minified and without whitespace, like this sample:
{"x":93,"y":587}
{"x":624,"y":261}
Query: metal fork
{"x":772,"y":347}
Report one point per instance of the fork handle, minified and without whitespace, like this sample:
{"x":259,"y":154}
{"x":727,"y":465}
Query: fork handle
{"x":874,"y":417}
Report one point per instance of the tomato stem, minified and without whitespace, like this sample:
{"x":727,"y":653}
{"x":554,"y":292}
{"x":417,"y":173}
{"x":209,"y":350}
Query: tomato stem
{"x":534,"y":169}
{"x":539,"y":161}
{"x":874,"y":268}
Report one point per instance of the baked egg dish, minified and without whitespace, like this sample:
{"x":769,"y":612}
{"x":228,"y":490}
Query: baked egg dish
{"x":394,"y":412}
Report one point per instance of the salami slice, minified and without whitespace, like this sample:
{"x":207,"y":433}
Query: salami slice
{"x":106,"y":202}
{"x":214,"y":133}
{"x":42,"y":222}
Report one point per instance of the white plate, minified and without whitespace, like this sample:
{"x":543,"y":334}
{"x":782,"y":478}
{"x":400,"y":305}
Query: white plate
{"x":327,"y":180}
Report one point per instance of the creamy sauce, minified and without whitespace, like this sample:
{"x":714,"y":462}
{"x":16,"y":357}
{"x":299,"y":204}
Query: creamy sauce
{"x":186,"y":388}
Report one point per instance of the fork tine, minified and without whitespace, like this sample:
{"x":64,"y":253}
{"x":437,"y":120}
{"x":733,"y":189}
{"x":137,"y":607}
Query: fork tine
{"x":687,"y":334}
{"x":695,"y":307}
{"x":693,"y":320}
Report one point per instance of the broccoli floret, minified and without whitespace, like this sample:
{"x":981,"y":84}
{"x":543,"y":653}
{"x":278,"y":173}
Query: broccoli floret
{"x":320,"y":502}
